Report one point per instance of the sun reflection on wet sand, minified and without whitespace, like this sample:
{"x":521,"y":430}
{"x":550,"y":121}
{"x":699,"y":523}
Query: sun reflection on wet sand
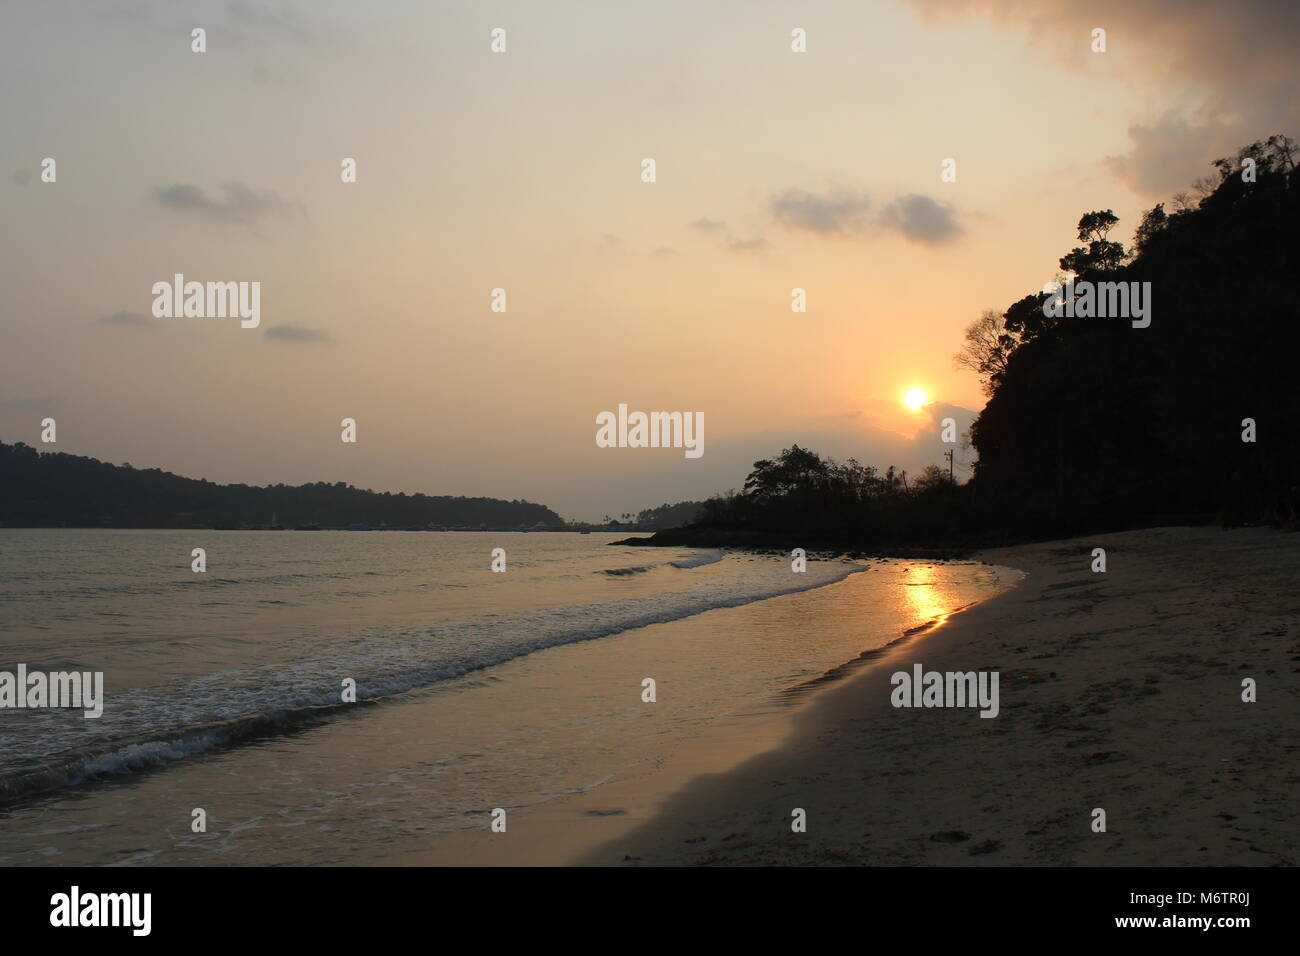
{"x":932,"y":600}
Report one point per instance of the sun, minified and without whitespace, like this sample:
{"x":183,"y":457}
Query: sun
{"x":914,"y":398}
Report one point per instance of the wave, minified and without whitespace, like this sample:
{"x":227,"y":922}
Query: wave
{"x":700,"y":560}
{"x":695,"y":561}
{"x":150,"y":727}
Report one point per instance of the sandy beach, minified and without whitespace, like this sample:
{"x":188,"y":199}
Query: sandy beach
{"x":1119,"y":690}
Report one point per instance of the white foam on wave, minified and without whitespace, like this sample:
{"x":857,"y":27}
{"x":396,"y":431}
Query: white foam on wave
{"x":150,"y":727}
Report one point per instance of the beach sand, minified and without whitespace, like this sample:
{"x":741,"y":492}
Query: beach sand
{"x":1144,"y":718}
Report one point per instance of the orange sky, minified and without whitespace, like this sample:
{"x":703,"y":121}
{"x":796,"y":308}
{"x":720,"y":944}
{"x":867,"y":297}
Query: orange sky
{"x":521,"y":170}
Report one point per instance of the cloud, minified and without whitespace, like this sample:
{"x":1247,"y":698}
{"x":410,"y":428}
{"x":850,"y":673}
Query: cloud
{"x":1168,"y":155}
{"x":846,"y":213}
{"x":240,"y":205}
{"x":270,"y":40}
{"x":705,"y":224}
{"x":921,"y":219}
{"x":125,"y":318}
{"x":757,"y":244}
{"x":267,"y":24}
{"x":838,"y":213}
{"x":938,"y":411}
{"x":928,"y":446}
{"x":718,"y":227}
{"x":1233,"y":64}
{"x":287,"y":332}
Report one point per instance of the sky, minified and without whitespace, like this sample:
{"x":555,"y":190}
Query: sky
{"x":522,"y":170}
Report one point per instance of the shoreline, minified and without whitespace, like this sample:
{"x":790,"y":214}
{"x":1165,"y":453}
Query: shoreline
{"x":1143,"y":719}
{"x":951,"y":547}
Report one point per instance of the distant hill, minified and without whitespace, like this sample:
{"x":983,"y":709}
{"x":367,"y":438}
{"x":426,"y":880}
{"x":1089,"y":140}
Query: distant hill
{"x":52,"y":489}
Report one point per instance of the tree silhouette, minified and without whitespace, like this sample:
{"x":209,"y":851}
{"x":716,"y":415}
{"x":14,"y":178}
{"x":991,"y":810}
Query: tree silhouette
{"x":986,"y":349}
{"x":1100,"y":253}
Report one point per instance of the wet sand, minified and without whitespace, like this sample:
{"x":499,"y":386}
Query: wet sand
{"x":1144,"y":718}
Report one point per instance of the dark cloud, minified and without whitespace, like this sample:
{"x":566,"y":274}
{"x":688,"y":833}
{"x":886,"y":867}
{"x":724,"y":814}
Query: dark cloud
{"x":287,"y":332}
{"x":1231,"y":67}
{"x":838,"y":213}
{"x":125,"y":318}
{"x":846,"y":213}
{"x":239,"y":205}
{"x":921,"y":219}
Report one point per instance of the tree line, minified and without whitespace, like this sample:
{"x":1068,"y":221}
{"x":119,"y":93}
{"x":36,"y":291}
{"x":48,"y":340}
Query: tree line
{"x":53,"y":489}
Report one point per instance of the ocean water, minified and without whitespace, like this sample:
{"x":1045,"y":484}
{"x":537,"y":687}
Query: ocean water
{"x":224,"y":689}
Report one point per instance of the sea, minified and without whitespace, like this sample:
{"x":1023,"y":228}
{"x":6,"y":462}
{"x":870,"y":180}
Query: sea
{"x":343,"y":698}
